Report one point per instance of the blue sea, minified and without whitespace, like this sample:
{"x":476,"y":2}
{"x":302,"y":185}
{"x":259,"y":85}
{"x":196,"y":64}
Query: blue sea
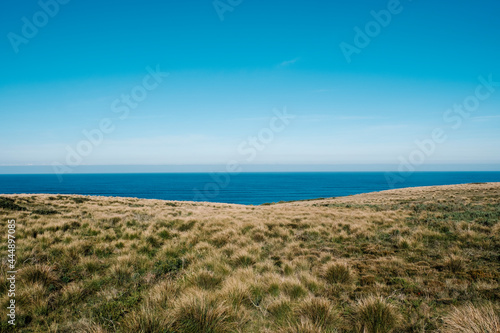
{"x":244,"y":188}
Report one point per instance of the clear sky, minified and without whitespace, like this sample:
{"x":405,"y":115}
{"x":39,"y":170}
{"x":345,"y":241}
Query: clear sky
{"x":67,"y":71}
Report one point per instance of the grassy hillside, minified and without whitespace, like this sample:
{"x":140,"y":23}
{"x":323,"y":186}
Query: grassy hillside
{"x":411,"y":260}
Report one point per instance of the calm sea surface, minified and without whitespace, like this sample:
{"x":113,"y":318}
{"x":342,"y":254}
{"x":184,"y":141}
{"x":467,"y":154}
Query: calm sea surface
{"x":245,"y":188}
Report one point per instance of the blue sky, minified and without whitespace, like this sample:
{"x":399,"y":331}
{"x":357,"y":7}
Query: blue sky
{"x":227,"y":76}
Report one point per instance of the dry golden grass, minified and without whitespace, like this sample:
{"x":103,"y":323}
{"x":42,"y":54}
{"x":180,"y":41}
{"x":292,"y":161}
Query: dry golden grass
{"x":411,"y":260}
{"x":472,"y":319}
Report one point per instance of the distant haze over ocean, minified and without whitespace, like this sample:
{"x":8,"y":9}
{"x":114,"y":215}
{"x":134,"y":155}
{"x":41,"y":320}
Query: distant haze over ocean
{"x":48,"y":169}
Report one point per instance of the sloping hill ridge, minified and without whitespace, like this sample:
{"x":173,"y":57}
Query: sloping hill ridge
{"x":421,"y":259}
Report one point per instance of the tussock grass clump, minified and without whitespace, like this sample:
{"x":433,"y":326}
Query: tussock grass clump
{"x":165,"y":234}
{"x":472,"y":319}
{"x":258,"y":235}
{"x":153,"y":241}
{"x":222,"y":238}
{"x":204,"y":248}
{"x":121,"y":273}
{"x":337,"y":273}
{"x":319,"y":311}
{"x":367,"y":280}
{"x":200,"y":313}
{"x":72,"y":293}
{"x":34,"y":295}
{"x":236,"y":292}
{"x":145,"y":320}
{"x":206,"y":279}
{"x":239,"y":297}
{"x":187,"y":226}
{"x":294,"y":290}
{"x":455,"y":264}
{"x":375,"y":315}
{"x":314,"y":284}
{"x":243,"y":260}
{"x":79,"y":200}
{"x":162,"y":293}
{"x":40,"y":273}
{"x":45,"y":211}
{"x":168,"y":265}
{"x":280,"y":309}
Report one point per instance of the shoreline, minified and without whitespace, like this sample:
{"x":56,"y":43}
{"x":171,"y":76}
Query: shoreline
{"x":373,"y":193}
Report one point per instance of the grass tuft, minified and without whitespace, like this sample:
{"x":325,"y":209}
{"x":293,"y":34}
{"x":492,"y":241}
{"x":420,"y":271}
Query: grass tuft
{"x":374,"y":315}
{"x":338,"y":273}
{"x":206,"y":280}
{"x":145,"y":320}
{"x":40,"y":273}
{"x":319,"y":311}
{"x":472,"y":319}
{"x":200,"y":313}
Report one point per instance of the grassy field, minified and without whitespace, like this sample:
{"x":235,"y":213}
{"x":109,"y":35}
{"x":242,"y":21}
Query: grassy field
{"x":411,"y":260}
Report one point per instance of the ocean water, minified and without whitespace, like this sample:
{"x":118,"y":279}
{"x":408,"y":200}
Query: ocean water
{"x":244,"y":188}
